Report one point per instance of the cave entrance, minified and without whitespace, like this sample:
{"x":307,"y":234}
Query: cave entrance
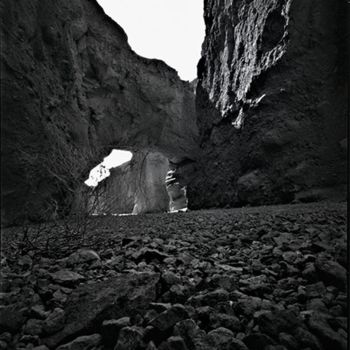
{"x":116,"y":158}
{"x":135,"y":183}
{"x":177,"y":192}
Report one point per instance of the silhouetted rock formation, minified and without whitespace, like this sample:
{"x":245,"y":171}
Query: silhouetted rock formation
{"x":72,"y":90}
{"x":271,"y":102}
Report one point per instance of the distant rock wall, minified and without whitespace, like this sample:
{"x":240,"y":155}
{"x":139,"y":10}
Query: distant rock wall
{"x":271,"y":102}
{"x":72,"y":90}
{"x":135,"y":187}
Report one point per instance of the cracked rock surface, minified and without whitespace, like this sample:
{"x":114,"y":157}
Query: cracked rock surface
{"x":267,"y":278}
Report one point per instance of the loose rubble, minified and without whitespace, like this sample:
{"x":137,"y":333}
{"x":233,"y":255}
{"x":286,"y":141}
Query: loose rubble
{"x":268,"y":278}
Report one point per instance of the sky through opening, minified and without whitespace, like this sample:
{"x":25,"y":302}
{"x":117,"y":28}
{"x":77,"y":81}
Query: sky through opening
{"x":169,"y":30}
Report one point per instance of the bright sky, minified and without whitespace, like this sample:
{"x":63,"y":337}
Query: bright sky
{"x":169,"y":30}
{"x":101,"y":171}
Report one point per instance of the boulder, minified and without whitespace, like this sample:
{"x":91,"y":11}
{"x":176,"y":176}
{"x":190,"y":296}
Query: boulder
{"x":88,"y":305}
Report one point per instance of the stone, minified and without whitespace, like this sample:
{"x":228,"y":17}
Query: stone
{"x":130,"y":338}
{"x":315,"y":290}
{"x":189,"y":331}
{"x":257,"y":341}
{"x":167,"y":319}
{"x":288,"y":341}
{"x":33,"y":327}
{"x":84,"y":342}
{"x":155,"y":109}
{"x":54,"y":322}
{"x":272,"y":323}
{"x":83,"y":256}
{"x":173,"y":343}
{"x":319,"y":325}
{"x":242,"y":160}
{"x":67,"y":278}
{"x":221,"y":339}
{"x":223,"y":320}
{"x":211,"y":298}
{"x":331,"y":272}
{"x":111,"y":328}
{"x":170,"y":278}
{"x":88,"y":305}
{"x":38,"y":311}
{"x":307,"y":339}
{"x":11,"y":318}
{"x":149,"y":254}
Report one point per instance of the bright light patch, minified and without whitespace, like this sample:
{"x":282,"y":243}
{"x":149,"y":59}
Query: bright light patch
{"x":101,"y":171}
{"x":169,"y":30}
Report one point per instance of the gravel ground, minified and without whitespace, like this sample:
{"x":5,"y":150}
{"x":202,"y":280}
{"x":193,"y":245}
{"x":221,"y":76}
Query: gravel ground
{"x":270,"y":278}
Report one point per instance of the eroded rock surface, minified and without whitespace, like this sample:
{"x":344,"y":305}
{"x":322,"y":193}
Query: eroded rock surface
{"x":72,"y":90}
{"x":271,"y":103}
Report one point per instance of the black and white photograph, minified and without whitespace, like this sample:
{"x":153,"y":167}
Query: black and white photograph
{"x":174,"y":174}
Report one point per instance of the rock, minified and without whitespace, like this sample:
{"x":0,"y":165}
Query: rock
{"x":189,"y":331}
{"x":130,"y":338}
{"x":248,"y":305}
{"x":33,"y":327}
{"x":273,"y":323}
{"x":167,"y":319}
{"x":83,"y":256}
{"x":288,"y":341}
{"x":38,"y":311}
{"x":307,"y":339}
{"x":151,"y":346}
{"x":242,"y":163}
{"x":67,"y":278}
{"x":160,"y":307}
{"x":211,"y":298}
{"x":89,"y":305}
{"x":226,"y":321}
{"x":6,"y":337}
{"x":315,"y":290}
{"x":149,"y":254}
{"x":85,"y":342}
{"x":111,"y":328}
{"x":221,"y":339}
{"x":318,"y":324}
{"x":11,"y":318}
{"x":257,"y":341}
{"x":155,"y":109}
{"x":170,"y":278}
{"x":173,"y":343}
{"x":331,"y":272}
{"x":54,"y":322}
{"x":41,"y":347}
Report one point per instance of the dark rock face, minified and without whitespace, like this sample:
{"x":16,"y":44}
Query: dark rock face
{"x":72,"y":90}
{"x":271,"y":102}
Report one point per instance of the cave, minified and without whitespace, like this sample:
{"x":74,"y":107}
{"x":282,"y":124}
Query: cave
{"x":256,"y":254}
{"x":134,"y":183}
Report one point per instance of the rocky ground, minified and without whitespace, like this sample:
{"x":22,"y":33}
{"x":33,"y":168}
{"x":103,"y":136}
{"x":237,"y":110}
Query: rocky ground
{"x":271,"y":278}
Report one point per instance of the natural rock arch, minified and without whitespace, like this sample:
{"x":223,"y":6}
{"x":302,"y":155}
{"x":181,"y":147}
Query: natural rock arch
{"x":73,"y":90}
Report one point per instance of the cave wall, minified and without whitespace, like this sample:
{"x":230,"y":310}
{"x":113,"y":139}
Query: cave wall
{"x":72,"y":90}
{"x":271,"y":103}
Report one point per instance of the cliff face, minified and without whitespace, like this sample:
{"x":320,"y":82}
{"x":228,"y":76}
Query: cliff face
{"x":72,"y":90}
{"x":271,"y":102}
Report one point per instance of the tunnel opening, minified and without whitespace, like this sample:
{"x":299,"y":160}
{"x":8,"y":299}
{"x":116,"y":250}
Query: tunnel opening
{"x":100,"y":172}
{"x":127,"y":183}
